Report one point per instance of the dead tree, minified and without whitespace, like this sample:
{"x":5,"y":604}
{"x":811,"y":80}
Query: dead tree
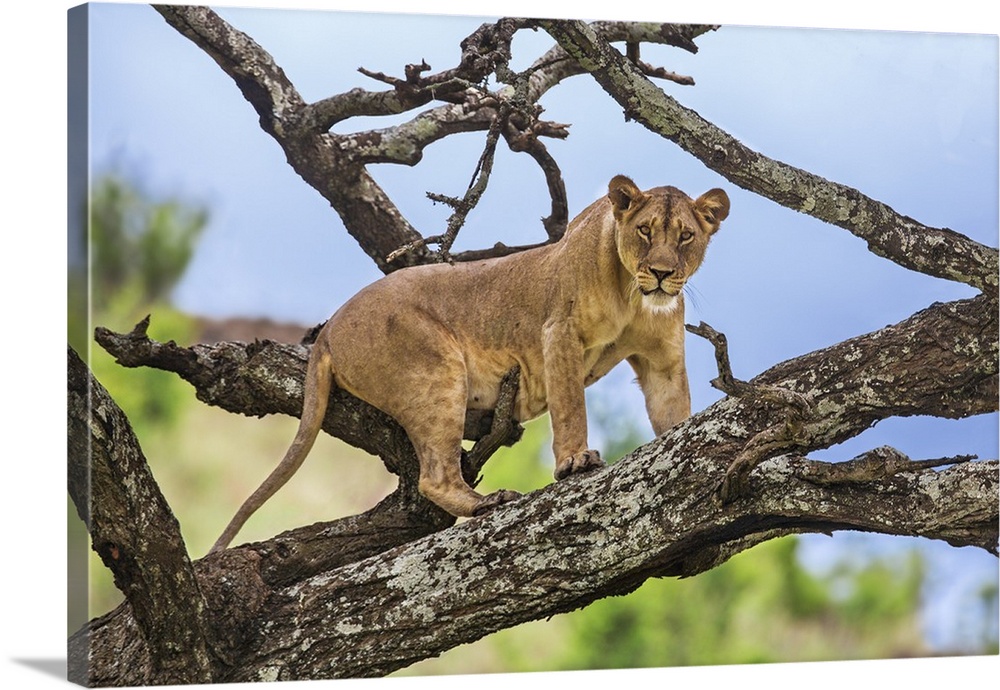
{"x":298,"y":606}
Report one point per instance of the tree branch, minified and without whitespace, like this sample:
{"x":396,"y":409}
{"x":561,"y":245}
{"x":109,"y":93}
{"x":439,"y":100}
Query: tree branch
{"x":367,"y":212}
{"x":937,"y":252}
{"x":335,"y":164}
{"x":650,"y":514}
{"x":263,"y":378}
{"x":524,"y":574}
{"x":405,"y":143}
{"x":558,"y":219}
{"x":136,"y":535}
{"x":572,"y":543}
{"x":556,"y":64}
{"x":880,"y":463}
{"x":462,"y":207}
{"x":266,"y":377}
{"x":784,"y":435}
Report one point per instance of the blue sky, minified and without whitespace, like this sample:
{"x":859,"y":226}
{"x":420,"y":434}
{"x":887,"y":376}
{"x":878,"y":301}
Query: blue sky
{"x":908,"y":118}
{"x":34,"y":48}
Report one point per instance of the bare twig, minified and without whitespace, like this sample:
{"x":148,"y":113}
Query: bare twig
{"x":778,"y":438}
{"x":632,"y":49}
{"x":463,"y":206}
{"x":663,"y":73}
{"x":497,"y":250}
{"x":727,"y":383}
{"x":504,"y":430}
{"x":871,"y":466}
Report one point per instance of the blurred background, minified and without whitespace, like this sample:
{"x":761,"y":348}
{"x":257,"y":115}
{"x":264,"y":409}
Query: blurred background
{"x":195,"y":217}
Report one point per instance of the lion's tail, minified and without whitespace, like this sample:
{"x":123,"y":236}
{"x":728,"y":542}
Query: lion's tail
{"x":319,"y":380}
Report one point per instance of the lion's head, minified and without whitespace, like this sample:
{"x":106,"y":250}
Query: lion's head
{"x":662,"y":235}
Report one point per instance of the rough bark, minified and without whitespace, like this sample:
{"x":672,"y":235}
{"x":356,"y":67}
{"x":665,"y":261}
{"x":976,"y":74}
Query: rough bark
{"x":298,"y":606}
{"x":654,"y":513}
{"x":136,"y":535}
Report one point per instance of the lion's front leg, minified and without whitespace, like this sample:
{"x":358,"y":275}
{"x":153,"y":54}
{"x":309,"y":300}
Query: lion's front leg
{"x":665,"y":388}
{"x":563,"y":357}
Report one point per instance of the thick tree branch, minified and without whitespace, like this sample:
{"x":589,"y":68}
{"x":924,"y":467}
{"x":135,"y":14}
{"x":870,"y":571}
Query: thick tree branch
{"x":570,"y":544}
{"x":938,"y":252}
{"x":652,"y":514}
{"x":335,"y":164}
{"x":136,"y":535}
{"x":368,"y":213}
{"x":557,"y":65}
{"x":622,"y":535}
{"x":299,"y":605}
{"x":262,"y":82}
{"x":941,"y":361}
{"x":266,"y":377}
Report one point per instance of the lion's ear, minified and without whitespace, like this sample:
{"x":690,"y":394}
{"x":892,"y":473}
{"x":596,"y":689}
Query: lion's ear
{"x":623,"y":194}
{"x":713,"y":206}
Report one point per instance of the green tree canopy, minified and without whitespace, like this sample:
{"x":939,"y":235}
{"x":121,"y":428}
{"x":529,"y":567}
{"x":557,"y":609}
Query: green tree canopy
{"x":139,"y":246}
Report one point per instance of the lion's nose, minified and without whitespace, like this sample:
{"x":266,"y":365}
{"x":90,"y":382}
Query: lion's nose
{"x":662,"y":274}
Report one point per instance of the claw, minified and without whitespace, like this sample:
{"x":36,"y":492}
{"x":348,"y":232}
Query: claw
{"x":585,"y":461}
{"x":493,"y":500}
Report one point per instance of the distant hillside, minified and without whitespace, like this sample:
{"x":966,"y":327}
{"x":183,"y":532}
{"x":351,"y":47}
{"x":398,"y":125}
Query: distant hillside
{"x":248,"y":330}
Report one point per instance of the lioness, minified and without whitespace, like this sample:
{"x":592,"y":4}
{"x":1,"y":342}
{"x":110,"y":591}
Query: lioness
{"x":423,"y":344}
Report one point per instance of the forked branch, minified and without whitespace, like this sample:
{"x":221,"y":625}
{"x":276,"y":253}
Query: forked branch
{"x":937,"y":252}
{"x":784,"y":435}
{"x":336,"y":164}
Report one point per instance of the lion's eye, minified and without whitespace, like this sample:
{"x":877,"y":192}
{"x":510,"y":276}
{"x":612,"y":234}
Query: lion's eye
{"x":644,"y":231}
{"x":686,"y":236}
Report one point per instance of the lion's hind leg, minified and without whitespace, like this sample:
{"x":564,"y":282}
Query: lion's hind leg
{"x":436,"y":434}
{"x":441,"y":480}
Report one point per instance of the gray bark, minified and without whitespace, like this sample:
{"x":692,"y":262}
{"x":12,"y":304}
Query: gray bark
{"x":298,"y":606}
{"x":136,"y":535}
{"x":655,"y":513}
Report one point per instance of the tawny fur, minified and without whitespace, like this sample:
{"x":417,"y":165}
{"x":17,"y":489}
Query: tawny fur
{"x":425,"y":344}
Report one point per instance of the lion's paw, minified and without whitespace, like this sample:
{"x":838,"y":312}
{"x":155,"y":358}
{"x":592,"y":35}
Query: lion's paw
{"x":491,"y":501}
{"x":584,"y":461}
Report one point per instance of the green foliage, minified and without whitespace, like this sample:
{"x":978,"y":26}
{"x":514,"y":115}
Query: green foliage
{"x":525,"y":466}
{"x":761,"y":606}
{"x":869,"y":600}
{"x":139,"y":247}
{"x":989,"y":626}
